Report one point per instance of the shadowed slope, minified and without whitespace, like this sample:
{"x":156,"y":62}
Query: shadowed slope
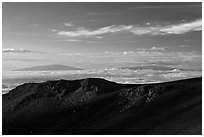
{"x":97,"y":106}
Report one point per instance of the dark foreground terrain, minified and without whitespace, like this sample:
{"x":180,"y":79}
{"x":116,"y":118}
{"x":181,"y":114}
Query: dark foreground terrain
{"x":97,"y":106}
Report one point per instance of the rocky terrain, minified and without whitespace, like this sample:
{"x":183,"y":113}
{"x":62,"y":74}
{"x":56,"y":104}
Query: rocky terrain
{"x":97,"y":106}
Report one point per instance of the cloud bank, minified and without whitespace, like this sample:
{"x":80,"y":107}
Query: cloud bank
{"x":20,"y":51}
{"x":175,"y":29}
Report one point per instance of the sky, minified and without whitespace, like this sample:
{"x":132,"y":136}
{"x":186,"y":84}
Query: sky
{"x":91,"y":34}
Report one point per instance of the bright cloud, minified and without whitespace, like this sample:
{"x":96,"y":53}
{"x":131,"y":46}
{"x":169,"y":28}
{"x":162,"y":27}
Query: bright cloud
{"x":181,"y":28}
{"x":157,"y":48}
{"x":105,"y":30}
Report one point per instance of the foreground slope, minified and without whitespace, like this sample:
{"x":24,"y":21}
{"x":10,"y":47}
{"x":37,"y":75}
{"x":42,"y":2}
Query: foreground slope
{"x":97,"y":106}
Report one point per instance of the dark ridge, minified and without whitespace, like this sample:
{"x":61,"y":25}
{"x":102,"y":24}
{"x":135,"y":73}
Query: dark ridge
{"x":97,"y":106}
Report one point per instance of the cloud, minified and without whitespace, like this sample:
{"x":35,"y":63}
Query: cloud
{"x":72,"y":40}
{"x":100,"y":31}
{"x":119,"y":54}
{"x":169,"y":6}
{"x":128,"y":52}
{"x":142,"y":55}
{"x":183,"y":27}
{"x":184,"y":46}
{"x":146,"y":7}
{"x":99,"y":37}
{"x":175,"y":29}
{"x":114,"y":54}
{"x":53,"y":30}
{"x":141,"y":49}
{"x":148,"y":56}
{"x":68,"y":24}
{"x":70,"y":54}
{"x":157,"y":48}
{"x":25,"y":60}
{"x":105,"y":54}
{"x":147,"y":23}
{"x":20,"y":51}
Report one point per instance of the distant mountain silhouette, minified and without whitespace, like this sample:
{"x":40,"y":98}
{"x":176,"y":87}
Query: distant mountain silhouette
{"x":49,"y":68}
{"x":98,"y":106}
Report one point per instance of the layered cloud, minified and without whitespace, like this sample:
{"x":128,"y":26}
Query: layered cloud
{"x":20,"y":51}
{"x":107,"y":54}
{"x":146,"y":55}
{"x":175,"y":29}
{"x":140,"y":54}
{"x":25,"y":60}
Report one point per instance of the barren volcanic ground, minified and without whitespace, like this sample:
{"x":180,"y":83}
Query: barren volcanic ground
{"x":98,"y":106}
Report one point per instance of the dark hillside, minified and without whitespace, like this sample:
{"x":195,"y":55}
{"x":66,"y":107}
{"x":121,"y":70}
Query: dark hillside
{"x":98,"y":106}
